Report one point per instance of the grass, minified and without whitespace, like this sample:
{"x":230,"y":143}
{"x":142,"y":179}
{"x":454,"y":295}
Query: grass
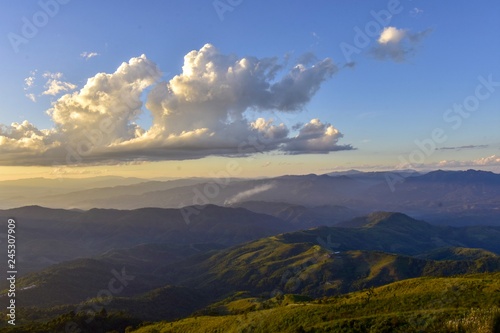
{"x":457,"y":304}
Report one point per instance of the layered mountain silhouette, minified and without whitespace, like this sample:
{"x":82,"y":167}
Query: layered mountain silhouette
{"x":225,"y":254}
{"x":378,"y":249}
{"x":443,"y":197}
{"x":51,"y":236}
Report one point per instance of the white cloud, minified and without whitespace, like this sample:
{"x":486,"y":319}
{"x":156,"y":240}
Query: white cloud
{"x":107,"y":98}
{"x":29,"y":83}
{"x":490,"y":160}
{"x":493,"y":160}
{"x":88,"y":55}
{"x":391,"y":35}
{"x":31,"y":97}
{"x":268,"y":131}
{"x":197,"y":113}
{"x":23,"y":143}
{"x":53,"y":76}
{"x":54,"y":85}
{"x":249,"y":193}
{"x":316,"y":137}
{"x":397,"y":44}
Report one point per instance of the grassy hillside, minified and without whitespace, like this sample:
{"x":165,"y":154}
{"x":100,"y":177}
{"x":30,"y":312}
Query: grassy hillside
{"x":271,"y":265}
{"x":399,"y":233}
{"x":315,"y":262}
{"x":465,"y":304}
{"x":455,"y":304}
{"x":171,"y":281}
{"x":263,"y":267}
{"x":457,"y":253}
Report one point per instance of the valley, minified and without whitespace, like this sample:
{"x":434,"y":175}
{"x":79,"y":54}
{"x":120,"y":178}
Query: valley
{"x":261,"y":263}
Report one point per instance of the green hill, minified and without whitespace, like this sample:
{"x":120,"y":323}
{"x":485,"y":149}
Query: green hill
{"x":468,"y":304}
{"x":354,"y":265}
{"x":263,"y":267}
{"x":465,"y":304}
{"x":398,"y":233}
{"x":314,"y":262}
{"x":457,"y":253}
{"x":271,"y":265}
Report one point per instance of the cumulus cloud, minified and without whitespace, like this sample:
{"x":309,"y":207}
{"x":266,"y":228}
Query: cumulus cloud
{"x":493,"y":160}
{"x":55,"y":86}
{"x":106,"y":100}
{"x":397,"y":44}
{"x":197,"y":113}
{"x":490,"y":160}
{"x":316,"y":137}
{"x":88,"y":55}
{"x":23,"y":143}
{"x":391,"y":35}
{"x":29,"y":83}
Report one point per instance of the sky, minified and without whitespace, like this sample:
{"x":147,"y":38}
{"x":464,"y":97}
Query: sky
{"x":251,"y":88}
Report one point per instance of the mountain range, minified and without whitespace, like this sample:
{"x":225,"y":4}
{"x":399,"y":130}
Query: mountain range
{"x":49,"y":236}
{"x":442,"y":197}
{"x":348,"y":252}
{"x":378,"y":249}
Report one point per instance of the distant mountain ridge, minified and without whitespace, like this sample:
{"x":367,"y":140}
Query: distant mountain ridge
{"x":469,"y":197}
{"x":392,"y":220}
{"x":473,"y":176}
{"x":300,"y":215}
{"x":53,"y":235}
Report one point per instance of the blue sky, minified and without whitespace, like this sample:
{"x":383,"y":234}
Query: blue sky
{"x":381,"y":98}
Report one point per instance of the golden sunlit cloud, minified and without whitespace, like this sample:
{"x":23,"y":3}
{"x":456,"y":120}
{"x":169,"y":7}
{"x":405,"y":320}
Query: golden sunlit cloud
{"x":198,"y":113}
